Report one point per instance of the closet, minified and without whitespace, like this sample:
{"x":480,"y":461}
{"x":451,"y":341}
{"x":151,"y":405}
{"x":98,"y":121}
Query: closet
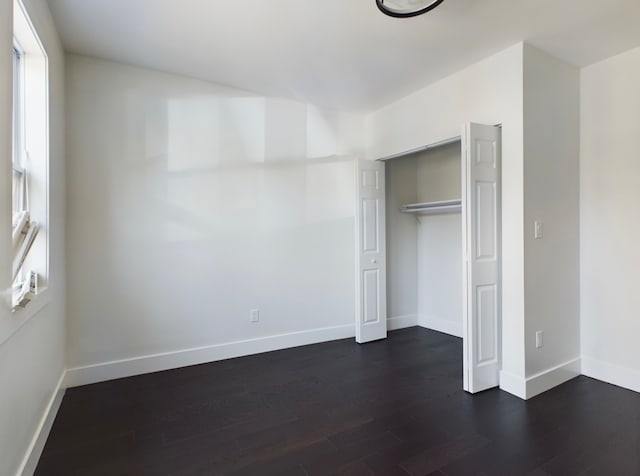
{"x":428,"y":246}
{"x":424,"y":238}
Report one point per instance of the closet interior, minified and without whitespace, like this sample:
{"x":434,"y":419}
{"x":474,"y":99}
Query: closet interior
{"x":424,"y":238}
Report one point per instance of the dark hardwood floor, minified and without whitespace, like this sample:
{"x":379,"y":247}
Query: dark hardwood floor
{"x":393,"y":407}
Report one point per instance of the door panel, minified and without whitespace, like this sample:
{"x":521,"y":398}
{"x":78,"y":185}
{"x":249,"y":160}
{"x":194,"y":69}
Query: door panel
{"x":370,"y":225}
{"x":371,"y":286}
{"x":371,"y":298}
{"x":486,"y":297}
{"x":481,"y":248}
{"x":485,"y":209}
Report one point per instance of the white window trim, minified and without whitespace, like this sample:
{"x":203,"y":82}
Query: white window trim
{"x":18,"y":151}
{"x":34,"y":99}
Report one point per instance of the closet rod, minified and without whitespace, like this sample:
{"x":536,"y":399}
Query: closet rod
{"x":441,"y":143}
{"x":433,"y":208}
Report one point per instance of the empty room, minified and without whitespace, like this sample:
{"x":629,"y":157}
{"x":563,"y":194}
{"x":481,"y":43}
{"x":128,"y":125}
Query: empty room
{"x":337,"y":237}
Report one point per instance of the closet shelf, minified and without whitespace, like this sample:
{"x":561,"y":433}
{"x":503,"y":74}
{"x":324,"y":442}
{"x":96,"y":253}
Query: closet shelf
{"x":433,"y":208}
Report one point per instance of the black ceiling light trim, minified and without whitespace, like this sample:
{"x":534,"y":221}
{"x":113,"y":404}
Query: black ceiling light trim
{"x":394,"y":12}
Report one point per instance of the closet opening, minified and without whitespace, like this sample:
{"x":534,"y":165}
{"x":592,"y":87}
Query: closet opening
{"x":424,"y":238}
{"x":428,"y":246}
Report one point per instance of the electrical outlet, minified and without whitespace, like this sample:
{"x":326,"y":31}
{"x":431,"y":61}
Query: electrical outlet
{"x":254,"y":315}
{"x":539,"y":339}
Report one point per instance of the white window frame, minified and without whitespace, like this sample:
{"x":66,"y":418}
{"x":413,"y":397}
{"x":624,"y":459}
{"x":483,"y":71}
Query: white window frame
{"x":18,"y":197}
{"x":30,"y":162}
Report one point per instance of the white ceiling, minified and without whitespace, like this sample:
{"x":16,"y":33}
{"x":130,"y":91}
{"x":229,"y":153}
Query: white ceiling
{"x":337,"y":53}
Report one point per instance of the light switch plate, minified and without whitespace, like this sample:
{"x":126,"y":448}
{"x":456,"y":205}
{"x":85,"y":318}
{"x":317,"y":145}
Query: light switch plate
{"x":538,"y":229}
{"x":539,"y":339}
{"x":254,"y":315}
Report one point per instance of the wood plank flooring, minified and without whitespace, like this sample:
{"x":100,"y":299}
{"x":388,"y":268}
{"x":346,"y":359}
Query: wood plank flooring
{"x":392,"y":407}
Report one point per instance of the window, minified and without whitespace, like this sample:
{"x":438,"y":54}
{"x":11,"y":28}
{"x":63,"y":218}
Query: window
{"x":30,"y":162}
{"x":24,"y":230}
{"x":19,"y":176}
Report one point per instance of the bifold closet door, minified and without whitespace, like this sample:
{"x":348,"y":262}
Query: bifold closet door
{"x":481,"y":243}
{"x":371,"y":272}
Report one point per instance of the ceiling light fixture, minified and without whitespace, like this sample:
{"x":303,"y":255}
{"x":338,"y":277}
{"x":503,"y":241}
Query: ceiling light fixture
{"x":406,"y":8}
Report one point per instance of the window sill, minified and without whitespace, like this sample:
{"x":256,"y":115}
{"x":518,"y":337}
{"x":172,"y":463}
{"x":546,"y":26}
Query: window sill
{"x":21,"y":316}
{"x":37,"y":303}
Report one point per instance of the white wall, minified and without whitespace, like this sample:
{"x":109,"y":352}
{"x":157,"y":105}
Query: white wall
{"x":551,"y":186}
{"x":439,"y":173}
{"x":609,"y":223}
{"x":401,"y":240}
{"x":488,"y":92}
{"x":191,"y":203}
{"x":440,"y":242}
{"x":440,"y":273}
{"x":31,"y":345}
{"x":424,"y":254}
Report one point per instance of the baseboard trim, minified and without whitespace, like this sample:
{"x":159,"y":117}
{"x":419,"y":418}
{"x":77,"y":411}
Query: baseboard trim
{"x":620,"y":376}
{"x":182,"y":358}
{"x":513,"y":384}
{"x":546,"y":380}
{"x":402,"y":322}
{"x":529,"y":387}
{"x":34,"y":451}
{"x":445,"y":326}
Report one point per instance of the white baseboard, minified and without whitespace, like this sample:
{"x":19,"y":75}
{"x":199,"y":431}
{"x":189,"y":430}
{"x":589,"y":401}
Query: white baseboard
{"x":624,"y":377}
{"x":200,"y":355}
{"x":402,"y":322}
{"x":30,"y":461}
{"x":546,"y":380}
{"x":529,"y":387}
{"x":514,"y":384}
{"x":445,"y":326}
